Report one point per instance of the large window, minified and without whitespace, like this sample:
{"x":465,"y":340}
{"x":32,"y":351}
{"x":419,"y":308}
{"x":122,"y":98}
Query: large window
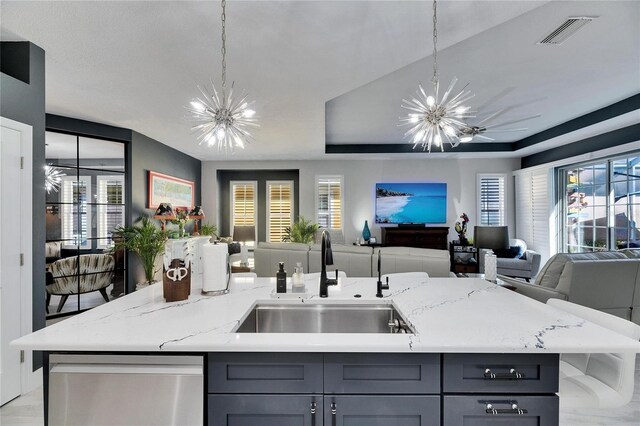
{"x":110,"y":201}
{"x":76,"y":220}
{"x":491,"y":199}
{"x":329,"y":201}
{"x":600,"y":205}
{"x":243,"y":204}
{"x":279,"y":209}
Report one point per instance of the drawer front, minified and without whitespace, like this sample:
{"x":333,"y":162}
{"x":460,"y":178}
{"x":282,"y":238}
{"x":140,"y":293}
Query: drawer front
{"x":472,"y":410}
{"x":265,"y":373}
{"x":265,"y":410}
{"x":387,"y":410}
{"x":382,"y":373}
{"x":500,"y":373}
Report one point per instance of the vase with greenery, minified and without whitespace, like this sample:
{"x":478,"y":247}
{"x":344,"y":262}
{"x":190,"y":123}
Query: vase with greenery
{"x":145,"y":240}
{"x":302,"y":231}
{"x":181,"y":219}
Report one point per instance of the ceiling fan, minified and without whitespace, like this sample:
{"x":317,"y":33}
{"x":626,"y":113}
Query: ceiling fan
{"x":490,"y":124}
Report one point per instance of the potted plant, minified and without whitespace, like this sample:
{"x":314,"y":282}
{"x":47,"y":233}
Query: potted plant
{"x":145,"y":240}
{"x":209,"y":229}
{"x":302,"y":231}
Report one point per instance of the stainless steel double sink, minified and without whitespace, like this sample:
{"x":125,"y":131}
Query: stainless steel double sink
{"x":273,"y":317}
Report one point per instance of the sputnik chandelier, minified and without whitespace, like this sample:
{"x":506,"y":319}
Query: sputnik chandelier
{"x":222,"y":121}
{"x":52,"y":178}
{"x":434,"y":120}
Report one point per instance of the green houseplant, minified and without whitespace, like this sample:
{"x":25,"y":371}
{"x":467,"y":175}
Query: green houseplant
{"x":209,"y":229}
{"x":302,"y":231}
{"x":145,"y":240}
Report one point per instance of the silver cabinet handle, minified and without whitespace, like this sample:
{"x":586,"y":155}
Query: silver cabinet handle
{"x":511,"y":375}
{"x":313,"y":413}
{"x":513,"y":410}
{"x":334,"y":412}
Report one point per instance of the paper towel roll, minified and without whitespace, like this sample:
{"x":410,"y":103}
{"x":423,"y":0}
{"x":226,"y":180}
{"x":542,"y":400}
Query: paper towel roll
{"x":490,"y":267}
{"x":214,"y":267}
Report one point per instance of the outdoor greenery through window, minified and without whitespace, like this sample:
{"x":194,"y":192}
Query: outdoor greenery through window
{"x":329,"y":201}
{"x":601,"y":205}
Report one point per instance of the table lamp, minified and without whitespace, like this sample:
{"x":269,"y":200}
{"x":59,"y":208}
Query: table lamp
{"x":244,"y":234}
{"x":163,"y":213}
{"x":196,"y":214}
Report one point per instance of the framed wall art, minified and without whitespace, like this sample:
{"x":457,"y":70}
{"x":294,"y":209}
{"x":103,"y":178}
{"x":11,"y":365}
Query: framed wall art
{"x":168,"y":189}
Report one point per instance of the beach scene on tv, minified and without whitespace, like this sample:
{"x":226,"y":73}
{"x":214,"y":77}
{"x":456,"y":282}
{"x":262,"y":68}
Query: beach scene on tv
{"x":411,"y":203}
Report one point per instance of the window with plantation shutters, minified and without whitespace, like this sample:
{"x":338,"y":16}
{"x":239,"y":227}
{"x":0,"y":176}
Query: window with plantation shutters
{"x":243,"y":204}
{"x":329,"y":201}
{"x":491,"y":199}
{"x":76,"y":223}
{"x":279,"y":209}
{"x":110,"y":207}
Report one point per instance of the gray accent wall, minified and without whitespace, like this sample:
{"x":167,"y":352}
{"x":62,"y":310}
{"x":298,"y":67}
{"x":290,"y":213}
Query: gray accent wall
{"x":24,"y":101}
{"x":224,"y":177}
{"x":149,"y":154}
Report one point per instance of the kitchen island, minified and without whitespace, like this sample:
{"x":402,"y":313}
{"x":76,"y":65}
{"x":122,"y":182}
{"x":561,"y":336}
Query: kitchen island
{"x":479,"y":351}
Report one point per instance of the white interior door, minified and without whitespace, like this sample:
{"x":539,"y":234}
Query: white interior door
{"x":10,"y":268}
{"x":16,"y":263}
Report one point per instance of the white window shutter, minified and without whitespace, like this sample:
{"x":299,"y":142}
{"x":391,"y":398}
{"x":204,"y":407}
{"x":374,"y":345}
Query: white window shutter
{"x":329,"y":201}
{"x":279,"y":209}
{"x":243,"y":204}
{"x":491,"y":199}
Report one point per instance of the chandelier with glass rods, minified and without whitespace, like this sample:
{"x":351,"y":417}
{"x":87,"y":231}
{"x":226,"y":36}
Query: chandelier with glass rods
{"x":434,"y":120}
{"x":220,"y":120}
{"x":52,"y":178}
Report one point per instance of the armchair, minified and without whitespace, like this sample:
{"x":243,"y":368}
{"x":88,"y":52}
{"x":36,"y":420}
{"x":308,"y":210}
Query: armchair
{"x":525,"y":266}
{"x":78,"y":275}
{"x":586,"y":279}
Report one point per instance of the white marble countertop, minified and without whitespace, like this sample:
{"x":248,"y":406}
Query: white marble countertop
{"x":448,"y":314}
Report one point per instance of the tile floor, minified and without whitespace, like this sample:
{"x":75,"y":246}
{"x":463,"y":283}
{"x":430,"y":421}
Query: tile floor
{"x":27,"y":411}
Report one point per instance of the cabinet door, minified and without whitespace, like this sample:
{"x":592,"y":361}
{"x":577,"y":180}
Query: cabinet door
{"x":357,"y":373}
{"x":265,"y":410}
{"x":387,"y":410}
{"x":496,"y":410}
{"x":265,"y":373}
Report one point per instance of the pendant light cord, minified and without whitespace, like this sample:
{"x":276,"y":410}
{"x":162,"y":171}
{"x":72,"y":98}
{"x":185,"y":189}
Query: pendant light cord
{"x":434,"y":79}
{"x":224,"y":48}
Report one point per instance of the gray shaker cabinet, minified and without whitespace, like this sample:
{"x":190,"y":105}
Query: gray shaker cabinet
{"x":265,"y":410}
{"x":382,"y":410}
{"x":354,"y":389}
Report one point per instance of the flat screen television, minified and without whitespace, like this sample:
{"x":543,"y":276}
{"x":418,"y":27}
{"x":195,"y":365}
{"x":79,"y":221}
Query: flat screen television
{"x":405,"y":203}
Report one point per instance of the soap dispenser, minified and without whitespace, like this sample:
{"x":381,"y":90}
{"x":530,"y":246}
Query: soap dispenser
{"x":281,"y":279}
{"x":297,"y":279}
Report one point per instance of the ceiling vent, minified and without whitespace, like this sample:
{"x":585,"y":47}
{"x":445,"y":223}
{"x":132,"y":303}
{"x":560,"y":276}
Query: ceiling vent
{"x":566,"y":30}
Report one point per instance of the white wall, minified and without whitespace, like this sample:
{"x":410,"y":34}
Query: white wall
{"x":360,"y":177}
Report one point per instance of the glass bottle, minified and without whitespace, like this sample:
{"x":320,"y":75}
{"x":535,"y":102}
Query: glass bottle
{"x":297,"y":278}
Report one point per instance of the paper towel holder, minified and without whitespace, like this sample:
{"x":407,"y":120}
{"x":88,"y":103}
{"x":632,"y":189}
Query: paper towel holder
{"x":224,"y":290}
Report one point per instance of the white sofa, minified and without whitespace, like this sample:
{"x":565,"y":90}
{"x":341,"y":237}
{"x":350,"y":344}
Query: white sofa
{"x":355,"y":261}
{"x":267,"y":256}
{"x":436,"y":263}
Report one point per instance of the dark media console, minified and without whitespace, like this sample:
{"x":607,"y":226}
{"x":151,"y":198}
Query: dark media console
{"x":433,"y":237}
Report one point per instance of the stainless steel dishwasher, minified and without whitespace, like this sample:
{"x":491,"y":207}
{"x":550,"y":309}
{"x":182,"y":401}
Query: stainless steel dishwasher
{"x":131,"y":390}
